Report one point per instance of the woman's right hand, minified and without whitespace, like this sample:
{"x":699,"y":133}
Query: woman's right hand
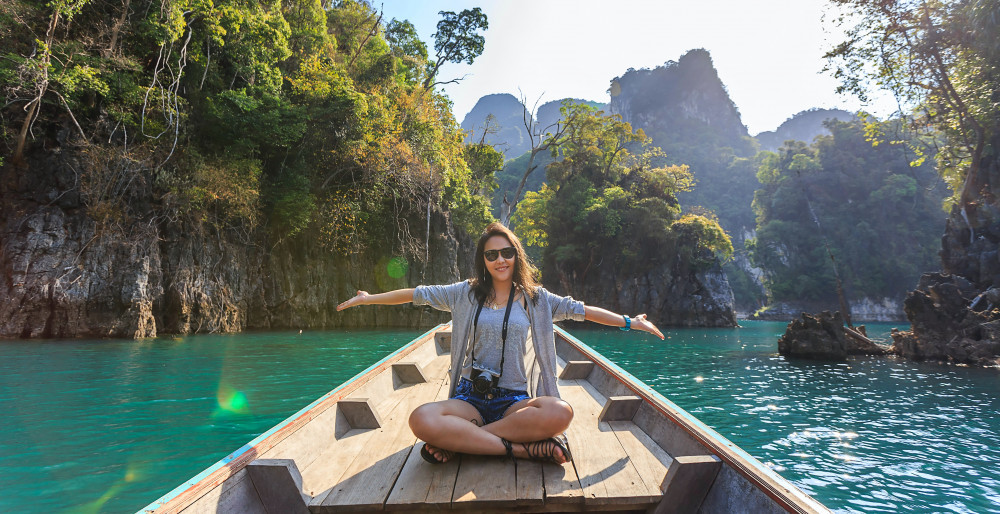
{"x":358,"y":299}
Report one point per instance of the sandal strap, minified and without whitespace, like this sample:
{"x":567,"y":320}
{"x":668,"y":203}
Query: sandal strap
{"x":542,"y":451}
{"x":510,"y":449}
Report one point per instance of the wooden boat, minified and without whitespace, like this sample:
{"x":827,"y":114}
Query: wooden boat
{"x":352,"y":450}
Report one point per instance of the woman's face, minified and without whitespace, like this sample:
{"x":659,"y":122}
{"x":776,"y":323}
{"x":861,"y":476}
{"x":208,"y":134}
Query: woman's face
{"x":501,"y":269}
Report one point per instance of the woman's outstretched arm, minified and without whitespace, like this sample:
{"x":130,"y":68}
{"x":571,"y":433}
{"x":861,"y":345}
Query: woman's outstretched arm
{"x":388,"y":298}
{"x":606,"y":317}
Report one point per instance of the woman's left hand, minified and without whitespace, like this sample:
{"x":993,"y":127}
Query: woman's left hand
{"x":641,"y":323}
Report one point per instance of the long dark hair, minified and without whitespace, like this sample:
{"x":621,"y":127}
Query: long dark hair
{"x":524,"y":272}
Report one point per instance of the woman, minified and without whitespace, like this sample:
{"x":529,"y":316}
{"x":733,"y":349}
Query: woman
{"x":489,"y":410}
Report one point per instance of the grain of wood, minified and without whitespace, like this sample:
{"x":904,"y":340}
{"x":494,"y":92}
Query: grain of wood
{"x":606,"y":472}
{"x":422,"y":484}
{"x":328,"y":468}
{"x":484,"y":481}
{"x":530,"y":483}
{"x":651,"y":461}
{"x":367,"y":481}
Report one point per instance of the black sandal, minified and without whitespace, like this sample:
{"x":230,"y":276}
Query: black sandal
{"x":544,"y":450}
{"x":510,"y":450}
{"x":429,"y":457}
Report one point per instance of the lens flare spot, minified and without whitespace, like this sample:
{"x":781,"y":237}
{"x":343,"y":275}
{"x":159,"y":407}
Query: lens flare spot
{"x":232,"y":400}
{"x":699,"y":378}
{"x":397,"y":267}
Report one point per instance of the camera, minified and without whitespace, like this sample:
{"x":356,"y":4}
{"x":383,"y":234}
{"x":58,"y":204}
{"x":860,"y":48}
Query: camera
{"x":484,"y":380}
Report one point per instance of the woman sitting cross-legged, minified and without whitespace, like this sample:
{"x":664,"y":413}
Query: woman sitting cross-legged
{"x":493,"y":366}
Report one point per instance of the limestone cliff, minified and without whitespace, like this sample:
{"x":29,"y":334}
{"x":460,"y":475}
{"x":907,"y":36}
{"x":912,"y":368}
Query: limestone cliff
{"x":677,"y":295}
{"x":65,"y":275}
{"x":955,"y":315}
{"x":506,"y":124}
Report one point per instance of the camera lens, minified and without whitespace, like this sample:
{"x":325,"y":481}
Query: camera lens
{"x":481,"y":384}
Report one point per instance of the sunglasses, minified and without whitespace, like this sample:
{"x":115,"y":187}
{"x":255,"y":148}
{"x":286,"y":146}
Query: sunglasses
{"x":508,"y":253}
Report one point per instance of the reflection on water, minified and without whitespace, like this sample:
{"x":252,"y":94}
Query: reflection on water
{"x":109,"y":426}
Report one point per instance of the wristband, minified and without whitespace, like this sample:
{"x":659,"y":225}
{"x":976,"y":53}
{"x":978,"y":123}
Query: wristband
{"x":628,"y":324}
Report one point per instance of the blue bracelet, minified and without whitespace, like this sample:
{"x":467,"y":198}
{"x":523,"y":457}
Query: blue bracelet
{"x":628,"y":324}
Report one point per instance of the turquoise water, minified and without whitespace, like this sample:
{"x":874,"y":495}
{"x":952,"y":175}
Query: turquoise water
{"x":109,"y":426}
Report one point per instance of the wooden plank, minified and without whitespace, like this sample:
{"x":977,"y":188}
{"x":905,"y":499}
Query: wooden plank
{"x":279,"y":485}
{"x":530,"y":483}
{"x":606,"y":472}
{"x":574,"y":370}
{"x":367,"y":481}
{"x":484,"y":481}
{"x":218,"y":474}
{"x":687,"y":483}
{"x":360,"y":413}
{"x":422,"y":484}
{"x":651,"y":461}
{"x":620,"y":408}
{"x":406,"y":373}
{"x":562,"y":485}
{"x":443,"y":340}
{"x":327,"y":469}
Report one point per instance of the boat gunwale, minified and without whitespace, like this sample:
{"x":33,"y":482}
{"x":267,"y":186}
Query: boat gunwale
{"x":791,"y":499}
{"x":215,"y":475}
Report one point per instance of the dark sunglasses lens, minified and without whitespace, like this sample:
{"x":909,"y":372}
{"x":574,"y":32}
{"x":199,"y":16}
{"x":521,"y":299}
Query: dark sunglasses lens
{"x":508,"y":253}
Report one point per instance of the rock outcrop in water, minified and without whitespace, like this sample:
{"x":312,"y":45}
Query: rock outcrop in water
{"x":951,"y":321}
{"x":65,"y":275}
{"x":823,"y":337}
{"x":955,"y":315}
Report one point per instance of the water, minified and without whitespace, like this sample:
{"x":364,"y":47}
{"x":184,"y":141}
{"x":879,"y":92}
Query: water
{"x":109,"y":426}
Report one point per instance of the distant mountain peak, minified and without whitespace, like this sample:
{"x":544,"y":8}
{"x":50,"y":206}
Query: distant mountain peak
{"x":668,"y":99}
{"x":803,"y":126}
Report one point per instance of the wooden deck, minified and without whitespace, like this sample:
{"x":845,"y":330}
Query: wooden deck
{"x":616,"y":466}
{"x":352,"y":451}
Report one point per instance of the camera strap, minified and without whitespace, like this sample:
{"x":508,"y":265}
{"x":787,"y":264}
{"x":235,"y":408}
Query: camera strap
{"x":503,"y":332}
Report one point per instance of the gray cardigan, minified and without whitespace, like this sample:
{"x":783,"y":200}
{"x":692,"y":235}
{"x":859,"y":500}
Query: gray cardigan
{"x":458,"y":299}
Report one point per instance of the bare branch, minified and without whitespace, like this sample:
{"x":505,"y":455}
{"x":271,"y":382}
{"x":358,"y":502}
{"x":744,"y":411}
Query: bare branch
{"x":452,"y":81}
{"x":371,"y":33}
{"x":70,"y":111}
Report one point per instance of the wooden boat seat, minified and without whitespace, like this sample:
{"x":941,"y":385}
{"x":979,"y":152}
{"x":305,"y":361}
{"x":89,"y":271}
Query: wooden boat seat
{"x":374,"y":463}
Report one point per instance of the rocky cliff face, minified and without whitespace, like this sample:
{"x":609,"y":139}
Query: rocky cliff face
{"x":955,"y":315}
{"x":509,"y":135}
{"x":65,"y":275}
{"x":671,"y":296}
{"x":951,"y":322}
{"x":680,"y":100}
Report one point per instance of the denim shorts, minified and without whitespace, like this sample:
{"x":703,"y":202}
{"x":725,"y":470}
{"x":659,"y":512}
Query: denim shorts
{"x":490,"y":410}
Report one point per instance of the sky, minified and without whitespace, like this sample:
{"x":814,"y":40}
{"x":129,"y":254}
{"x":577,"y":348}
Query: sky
{"x":768,"y":53}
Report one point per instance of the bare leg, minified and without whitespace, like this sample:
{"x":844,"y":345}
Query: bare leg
{"x":533,"y":419}
{"x":453,"y":425}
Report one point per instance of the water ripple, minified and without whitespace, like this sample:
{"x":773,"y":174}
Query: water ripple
{"x":866,"y":435}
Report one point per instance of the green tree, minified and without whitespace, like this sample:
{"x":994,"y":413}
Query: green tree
{"x":875,"y":212}
{"x":608,"y":202}
{"x":941,"y":60}
{"x":457,"y":39}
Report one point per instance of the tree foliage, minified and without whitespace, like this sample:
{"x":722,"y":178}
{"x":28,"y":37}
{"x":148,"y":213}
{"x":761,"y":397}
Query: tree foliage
{"x":941,"y":60}
{"x":290,"y":115}
{"x":457,"y":39}
{"x":609,"y":201}
{"x":876,"y":213}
